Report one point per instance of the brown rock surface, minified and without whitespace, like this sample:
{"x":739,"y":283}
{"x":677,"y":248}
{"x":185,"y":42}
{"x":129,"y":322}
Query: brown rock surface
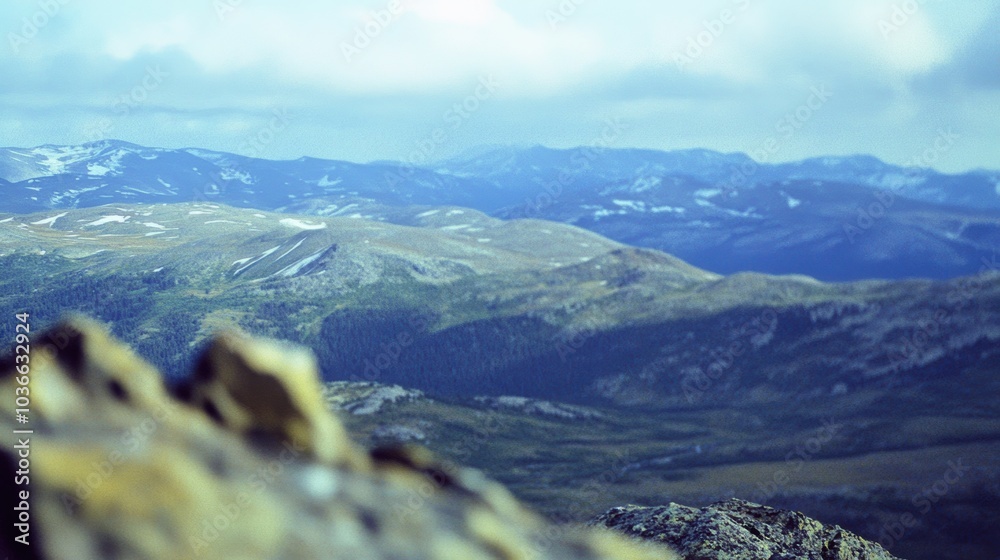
{"x":243,"y":461}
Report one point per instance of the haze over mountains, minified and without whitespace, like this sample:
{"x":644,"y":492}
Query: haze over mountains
{"x":391,"y":275}
{"x":836,"y":219}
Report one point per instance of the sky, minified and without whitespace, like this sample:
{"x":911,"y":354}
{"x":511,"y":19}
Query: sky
{"x":424,"y":80}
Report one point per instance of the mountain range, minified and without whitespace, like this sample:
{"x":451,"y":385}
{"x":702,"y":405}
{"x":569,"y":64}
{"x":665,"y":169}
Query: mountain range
{"x":835,"y":218}
{"x":589,"y":348}
{"x":537,"y":308}
{"x":711,"y":384}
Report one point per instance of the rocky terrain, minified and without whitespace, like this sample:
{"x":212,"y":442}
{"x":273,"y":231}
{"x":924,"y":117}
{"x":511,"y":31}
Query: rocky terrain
{"x":244,"y":460}
{"x":867,"y":468}
{"x":736,"y":529}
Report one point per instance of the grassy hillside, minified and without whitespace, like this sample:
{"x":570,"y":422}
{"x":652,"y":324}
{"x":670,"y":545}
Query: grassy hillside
{"x":463,"y":303}
{"x":694,"y":387}
{"x":863,"y":467}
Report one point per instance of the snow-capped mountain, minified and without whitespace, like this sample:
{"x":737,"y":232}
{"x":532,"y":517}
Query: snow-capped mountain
{"x":835,"y":218}
{"x":53,"y":177}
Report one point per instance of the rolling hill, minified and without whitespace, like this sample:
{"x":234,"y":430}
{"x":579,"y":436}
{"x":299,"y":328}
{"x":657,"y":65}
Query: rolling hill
{"x":836,"y":219}
{"x":575,"y":355}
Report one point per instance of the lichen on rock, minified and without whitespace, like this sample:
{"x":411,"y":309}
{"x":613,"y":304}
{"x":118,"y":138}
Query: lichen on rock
{"x":740,"y":530}
{"x":244,"y":461}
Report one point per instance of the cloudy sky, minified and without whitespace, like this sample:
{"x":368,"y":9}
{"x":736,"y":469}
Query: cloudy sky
{"x":422,"y":80}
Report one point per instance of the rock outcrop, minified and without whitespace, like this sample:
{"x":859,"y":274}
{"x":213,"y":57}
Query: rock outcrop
{"x":243,"y":460}
{"x":739,"y":530}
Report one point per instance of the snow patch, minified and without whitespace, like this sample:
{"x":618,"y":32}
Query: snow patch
{"x":244,"y":177}
{"x":263,"y":255}
{"x":294,"y":269}
{"x":46,"y":221}
{"x":286,"y":253}
{"x":97,"y":170}
{"x":326,"y":182}
{"x":636,"y":205}
{"x":5,"y":221}
{"x":199,"y":213}
{"x":344,"y":209}
{"x":292,"y":222}
{"x":154,"y":225}
{"x":671,"y":209}
{"x":707,"y":193}
{"x":107,"y":220}
{"x":792,"y":202}
{"x":644,"y":184}
{"x":598,"y":214}
{"x":72,"y":194}
{"x":427,"y":213}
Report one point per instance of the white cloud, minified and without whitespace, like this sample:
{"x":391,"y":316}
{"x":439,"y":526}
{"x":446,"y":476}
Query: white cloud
{"x":557,"y":84}
{"x":459,"y":12}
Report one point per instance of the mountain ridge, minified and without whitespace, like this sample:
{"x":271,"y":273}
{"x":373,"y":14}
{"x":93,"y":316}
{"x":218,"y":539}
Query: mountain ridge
{"x":831,"y":224}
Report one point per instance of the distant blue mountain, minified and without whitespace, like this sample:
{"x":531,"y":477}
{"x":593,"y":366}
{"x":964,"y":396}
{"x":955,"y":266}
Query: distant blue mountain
{"x":834,"y":218}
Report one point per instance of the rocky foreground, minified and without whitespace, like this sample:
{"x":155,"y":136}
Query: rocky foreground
{"x":735,"y":530}
{"x":245,"y":460}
